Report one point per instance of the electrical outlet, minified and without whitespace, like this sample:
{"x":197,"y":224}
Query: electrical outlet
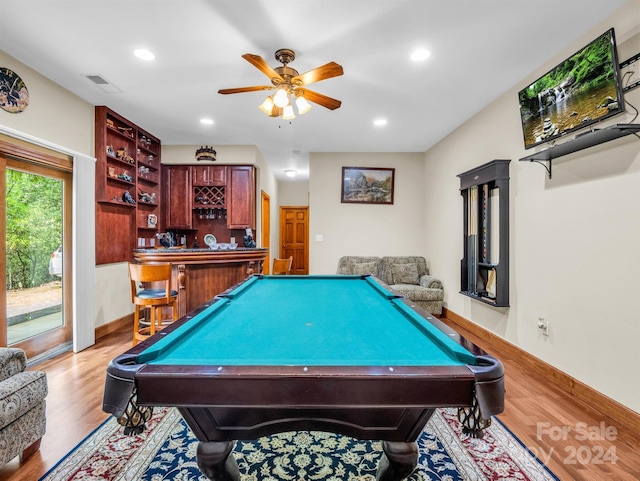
{"x":543,"y":325}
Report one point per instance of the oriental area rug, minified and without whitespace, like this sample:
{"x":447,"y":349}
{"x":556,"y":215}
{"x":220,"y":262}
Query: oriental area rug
{"x":167,"y":451}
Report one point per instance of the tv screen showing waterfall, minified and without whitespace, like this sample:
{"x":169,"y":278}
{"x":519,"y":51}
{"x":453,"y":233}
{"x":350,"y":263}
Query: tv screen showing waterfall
{"x":582,"y":90}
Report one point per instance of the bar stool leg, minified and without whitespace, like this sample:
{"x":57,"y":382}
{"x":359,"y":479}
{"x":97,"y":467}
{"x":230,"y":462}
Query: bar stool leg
{"x":136,"y":324}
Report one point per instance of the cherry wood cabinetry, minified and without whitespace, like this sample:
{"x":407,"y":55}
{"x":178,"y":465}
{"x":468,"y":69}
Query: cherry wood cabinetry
{"x":217,"y":200}
{"x":178,"y":197}
{"x":241,"y":196}
{"x":127,"y":186}
{"x":204,"y":175}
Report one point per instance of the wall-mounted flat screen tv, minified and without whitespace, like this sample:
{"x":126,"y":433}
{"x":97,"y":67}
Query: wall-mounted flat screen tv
{"x":584,"y":89}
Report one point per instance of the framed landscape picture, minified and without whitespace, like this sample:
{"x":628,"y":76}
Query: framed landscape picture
{"x":367,"y":185}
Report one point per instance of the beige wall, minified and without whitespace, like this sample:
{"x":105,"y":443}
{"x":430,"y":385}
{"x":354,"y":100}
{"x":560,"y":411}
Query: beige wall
{"x":59,"y":121}
{"x":53,"y":114}
{"x":293,"y":193}
{"x":574,"y":238}
{"x":363,"y":229}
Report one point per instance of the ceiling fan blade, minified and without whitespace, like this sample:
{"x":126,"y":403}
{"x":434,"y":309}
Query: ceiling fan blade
{"x":240,"y":90}
{"x":323,"y":72}
{"x":260,"y":63}
{"x":320,"y":99}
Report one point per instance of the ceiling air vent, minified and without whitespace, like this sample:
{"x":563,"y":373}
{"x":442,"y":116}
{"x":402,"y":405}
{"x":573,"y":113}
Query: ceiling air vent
{"x":104,"y":84}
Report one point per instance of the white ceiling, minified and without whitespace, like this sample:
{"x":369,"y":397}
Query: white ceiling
{"x":480,"y":49}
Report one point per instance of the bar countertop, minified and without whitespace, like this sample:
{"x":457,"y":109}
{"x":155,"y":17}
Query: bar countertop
{"x":200,"y":274}
{"x":206,"y":255}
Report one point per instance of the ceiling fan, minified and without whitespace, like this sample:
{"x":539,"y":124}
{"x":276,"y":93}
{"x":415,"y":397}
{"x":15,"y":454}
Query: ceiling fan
{"x":289,"y":83}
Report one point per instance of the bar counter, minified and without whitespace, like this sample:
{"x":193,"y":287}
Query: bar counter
{"x":200,"y":274}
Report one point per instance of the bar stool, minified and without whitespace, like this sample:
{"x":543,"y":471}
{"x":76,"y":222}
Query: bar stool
{"x":153,"y":298}
{"x":282,"y":266}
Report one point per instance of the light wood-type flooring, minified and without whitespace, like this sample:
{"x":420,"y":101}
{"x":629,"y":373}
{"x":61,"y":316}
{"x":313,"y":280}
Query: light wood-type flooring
{"x":576,"y":441}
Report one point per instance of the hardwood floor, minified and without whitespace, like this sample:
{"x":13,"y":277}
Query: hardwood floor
{"x":551,"y":423}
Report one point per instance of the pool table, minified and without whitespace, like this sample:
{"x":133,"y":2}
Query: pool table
{"x":341,"y":354}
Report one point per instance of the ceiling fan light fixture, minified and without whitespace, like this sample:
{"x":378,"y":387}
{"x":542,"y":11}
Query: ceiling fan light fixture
{"x":287,"y":113}
{"x":281,"y":98}
{"x":268,"y":105}
{"x":302,"y":104}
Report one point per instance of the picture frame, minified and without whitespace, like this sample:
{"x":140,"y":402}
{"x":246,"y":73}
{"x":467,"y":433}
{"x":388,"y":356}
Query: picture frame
{"x":367,"y":185}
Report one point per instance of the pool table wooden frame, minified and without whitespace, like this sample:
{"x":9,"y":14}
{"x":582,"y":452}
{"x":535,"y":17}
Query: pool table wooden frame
{"x":222,"y":404}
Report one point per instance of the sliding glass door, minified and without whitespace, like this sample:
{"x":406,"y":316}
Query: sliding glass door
{"x":36,"y":201}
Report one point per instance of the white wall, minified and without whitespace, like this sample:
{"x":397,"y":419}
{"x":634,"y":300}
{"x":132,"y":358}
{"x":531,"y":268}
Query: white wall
{"x":574,"y":238}
{"x":364,"y":229}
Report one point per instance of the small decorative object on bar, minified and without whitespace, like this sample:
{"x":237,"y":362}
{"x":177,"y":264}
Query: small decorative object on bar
{"x":206,"y":153}
{"x":367,"y":185}
{"x":210,"y":240}
{"x":14,"y":96}
{"x":248,"y":238}
{"x":166,"y":239}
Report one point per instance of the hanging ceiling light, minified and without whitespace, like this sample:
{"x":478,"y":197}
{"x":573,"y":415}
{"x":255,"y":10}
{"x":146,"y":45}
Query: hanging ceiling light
{"x":281,"y":98}
{"x":268,"y":105}
{"x":287,"y":113}
{"x":270,"y":108}
{"x":301,"y":103}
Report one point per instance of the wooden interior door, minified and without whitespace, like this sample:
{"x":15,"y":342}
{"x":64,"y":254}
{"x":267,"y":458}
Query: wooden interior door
{"x":294,"y":237}
{"x":265,"y":229}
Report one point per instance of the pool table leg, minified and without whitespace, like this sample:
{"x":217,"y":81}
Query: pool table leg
{"x":216,"y":461}
{"x":398,"y":461}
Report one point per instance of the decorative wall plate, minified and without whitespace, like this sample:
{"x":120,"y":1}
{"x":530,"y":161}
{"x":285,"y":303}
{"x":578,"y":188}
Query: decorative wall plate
{"x":210,"y":240}
{"x":14,"y":96}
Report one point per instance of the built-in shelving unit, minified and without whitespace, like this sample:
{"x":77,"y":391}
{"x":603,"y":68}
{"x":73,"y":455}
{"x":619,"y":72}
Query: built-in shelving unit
{"x":581,"y":142}
{"x":485,"y":263}
{"x":127,"y":187}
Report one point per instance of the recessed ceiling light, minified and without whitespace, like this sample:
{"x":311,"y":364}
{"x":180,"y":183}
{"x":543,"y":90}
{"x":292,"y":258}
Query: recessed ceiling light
{"x":420,"y":55}
{"x":206,"y":121}
{"x":290,"y":173}
{"x":144,"y":54}
{"x":380,"y":122}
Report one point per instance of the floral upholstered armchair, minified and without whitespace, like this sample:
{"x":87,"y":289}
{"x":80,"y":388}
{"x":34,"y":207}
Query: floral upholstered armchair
{"x":22,"y":406}
{"x":407,"y":275}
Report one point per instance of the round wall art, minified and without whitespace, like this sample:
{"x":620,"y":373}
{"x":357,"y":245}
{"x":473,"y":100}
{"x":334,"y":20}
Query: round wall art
{"x":14,"y":96}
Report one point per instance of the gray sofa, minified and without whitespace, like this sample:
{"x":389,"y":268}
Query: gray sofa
{"x":407,"y":275}
{"x":22,"y":406}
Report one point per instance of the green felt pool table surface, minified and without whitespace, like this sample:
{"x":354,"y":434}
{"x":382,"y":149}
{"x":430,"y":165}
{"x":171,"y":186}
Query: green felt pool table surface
{"x":310,"y":321}
{"x":327,"y":353}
